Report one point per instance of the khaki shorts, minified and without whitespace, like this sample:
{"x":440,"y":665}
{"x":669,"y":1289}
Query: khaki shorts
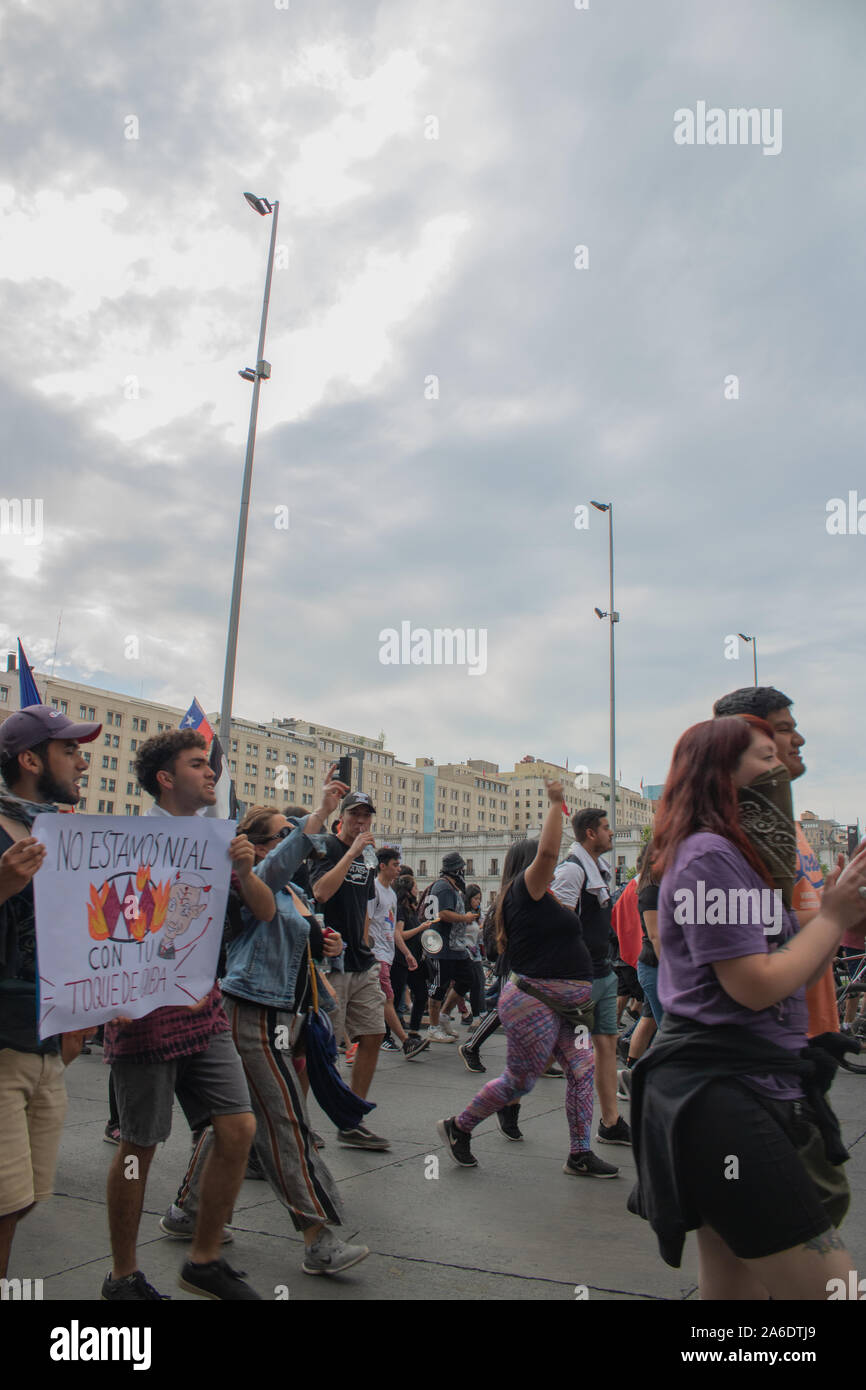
{"x":360,"y":1003}
{"x":32,"y":1110}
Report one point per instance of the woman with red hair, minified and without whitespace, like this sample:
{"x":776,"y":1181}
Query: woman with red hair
{"x":732,"y":1132}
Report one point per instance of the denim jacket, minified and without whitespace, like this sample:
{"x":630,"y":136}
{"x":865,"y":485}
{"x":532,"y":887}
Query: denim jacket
{"x":262,"y":963}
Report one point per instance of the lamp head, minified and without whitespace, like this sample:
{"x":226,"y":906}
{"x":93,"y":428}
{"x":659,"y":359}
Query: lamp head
{"x":598,"y":613}
{"x":744,"y":637}
{"x":259,"y":205}
{"x":601,"y":506}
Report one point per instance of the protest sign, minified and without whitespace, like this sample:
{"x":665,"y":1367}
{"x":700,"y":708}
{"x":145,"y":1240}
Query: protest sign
{"x":129,"y":915}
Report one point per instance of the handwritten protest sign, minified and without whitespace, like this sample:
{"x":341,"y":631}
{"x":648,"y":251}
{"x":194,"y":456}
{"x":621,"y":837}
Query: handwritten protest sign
{"x":129,"y":915}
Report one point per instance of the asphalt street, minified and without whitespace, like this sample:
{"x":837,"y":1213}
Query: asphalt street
{"x":514,"y":1228}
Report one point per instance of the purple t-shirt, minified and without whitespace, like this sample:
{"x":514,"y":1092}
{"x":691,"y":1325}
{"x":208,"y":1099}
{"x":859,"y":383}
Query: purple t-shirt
{"x":702,"y":918}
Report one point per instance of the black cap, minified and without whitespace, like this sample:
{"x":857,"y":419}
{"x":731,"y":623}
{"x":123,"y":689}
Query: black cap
{"x":357,"y":799}
{"x":453,"y":863}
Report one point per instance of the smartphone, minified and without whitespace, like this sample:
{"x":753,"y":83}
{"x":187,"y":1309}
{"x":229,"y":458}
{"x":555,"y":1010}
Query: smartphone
{"x":344,"y":770}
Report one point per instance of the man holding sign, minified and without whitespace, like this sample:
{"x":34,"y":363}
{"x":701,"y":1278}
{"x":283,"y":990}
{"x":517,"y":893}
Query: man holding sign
{"x":180,"y":1051}
{"x":41,"y":763}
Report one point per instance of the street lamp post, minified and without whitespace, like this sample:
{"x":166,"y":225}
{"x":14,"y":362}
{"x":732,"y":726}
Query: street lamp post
{"x":754,"y":642}
{"x":261,"y":372}
{"x":613,"y":617}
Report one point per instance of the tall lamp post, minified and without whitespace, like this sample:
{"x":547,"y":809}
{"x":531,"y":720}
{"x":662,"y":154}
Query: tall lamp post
{"x":754,"y":642}
{"x":613,"y":617}
{"x":261,"y":372}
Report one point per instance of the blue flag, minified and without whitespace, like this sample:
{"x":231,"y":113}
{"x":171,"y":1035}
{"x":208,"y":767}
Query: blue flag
{"x":27,"y":692}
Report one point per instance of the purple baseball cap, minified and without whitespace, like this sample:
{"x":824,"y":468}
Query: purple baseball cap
{"x":35,"y":723}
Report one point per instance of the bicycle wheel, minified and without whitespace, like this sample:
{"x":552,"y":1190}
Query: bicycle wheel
{"x":857,"y":1065}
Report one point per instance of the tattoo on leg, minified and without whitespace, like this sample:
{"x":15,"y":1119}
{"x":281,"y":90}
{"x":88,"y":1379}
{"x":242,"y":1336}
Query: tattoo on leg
{"x":831,"y":1240}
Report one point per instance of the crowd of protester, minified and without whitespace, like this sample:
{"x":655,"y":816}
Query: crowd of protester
{"x":718,"y":1030}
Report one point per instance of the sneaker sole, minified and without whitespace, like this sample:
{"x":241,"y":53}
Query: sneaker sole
{"x":355,"y":1260}
{"x":228,"y":1236}
{"x":443,"y":1135}
{"x":626,"y":1143}
{"x":410,"y":1056}
{"x":372,"y":1148}
{"x":573,"y":1173}
{"x":515,"y":1138}
{"x":443,"y":1040}
{"x":193,"y":1288}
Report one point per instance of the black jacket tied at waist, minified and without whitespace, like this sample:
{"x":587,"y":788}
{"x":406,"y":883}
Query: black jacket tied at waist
{"x":685,"y":1058}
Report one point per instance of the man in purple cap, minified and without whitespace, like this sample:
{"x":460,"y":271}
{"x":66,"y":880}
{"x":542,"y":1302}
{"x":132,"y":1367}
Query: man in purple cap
{"x":40,"y":763}
{"x":344,"y":883}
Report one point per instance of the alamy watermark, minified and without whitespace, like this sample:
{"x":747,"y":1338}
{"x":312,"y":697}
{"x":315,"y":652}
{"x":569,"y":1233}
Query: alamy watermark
{"x":740,"y":125}
{"x":443,"y":646}
{"x":738,"y":907}
{"x":22,"y":516}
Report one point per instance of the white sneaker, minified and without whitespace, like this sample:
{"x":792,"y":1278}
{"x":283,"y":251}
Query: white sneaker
{"x":439,"y":1035}
{"x":446,"y":1024}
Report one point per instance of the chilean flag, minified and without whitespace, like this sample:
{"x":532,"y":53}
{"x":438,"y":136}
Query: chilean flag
{"x":226,"y":805}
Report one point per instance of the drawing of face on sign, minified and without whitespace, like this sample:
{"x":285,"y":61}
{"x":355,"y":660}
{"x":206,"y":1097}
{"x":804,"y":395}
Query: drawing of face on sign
{"x":186,"y":902}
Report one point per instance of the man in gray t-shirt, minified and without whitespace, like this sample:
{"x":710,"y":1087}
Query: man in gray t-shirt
{"x":444,"y":909}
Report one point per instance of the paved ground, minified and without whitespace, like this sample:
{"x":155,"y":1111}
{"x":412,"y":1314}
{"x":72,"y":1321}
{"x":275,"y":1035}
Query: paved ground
{"x":514,"y":1228}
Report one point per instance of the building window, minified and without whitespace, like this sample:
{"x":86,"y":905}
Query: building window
{"x":494,"y":866}
{"x":114,"y":764}
{"x":115,"y":741}
{"x":91,"y":713}
{"x":109,"y":808}
{"x":470,"y":868}
{"x":105,"y":760}
{"x":84,"y":780}
{"x":422,"y":870}
{"x":82,"y":805}
{"x":135,"y":727}
{"x":143,"y":726}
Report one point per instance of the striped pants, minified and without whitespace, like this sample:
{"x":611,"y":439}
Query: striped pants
{"x":283,"y":1144}
{"x":534,"y":1032}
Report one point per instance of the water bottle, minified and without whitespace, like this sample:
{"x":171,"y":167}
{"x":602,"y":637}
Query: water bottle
{"x":369,"y":856}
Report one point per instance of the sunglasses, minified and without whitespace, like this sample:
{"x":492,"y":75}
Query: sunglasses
{"x":280,"y":835}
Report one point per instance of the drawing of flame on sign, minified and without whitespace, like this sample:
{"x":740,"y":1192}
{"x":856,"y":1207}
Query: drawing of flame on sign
{"x":136,"y":916}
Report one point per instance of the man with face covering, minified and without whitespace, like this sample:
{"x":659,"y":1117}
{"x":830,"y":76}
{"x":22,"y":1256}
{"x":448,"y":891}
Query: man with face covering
{"x":768,"y":819}
{"x":452,"y":964}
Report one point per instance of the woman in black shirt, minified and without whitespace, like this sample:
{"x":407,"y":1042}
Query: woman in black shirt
{"x":545,"y":1001}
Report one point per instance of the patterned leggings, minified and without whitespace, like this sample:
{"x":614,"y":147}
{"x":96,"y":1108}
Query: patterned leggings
{"x":534,"y":1032}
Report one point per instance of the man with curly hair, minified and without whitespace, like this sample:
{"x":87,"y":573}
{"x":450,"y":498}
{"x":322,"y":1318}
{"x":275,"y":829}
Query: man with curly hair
{"x":187,"y":1052}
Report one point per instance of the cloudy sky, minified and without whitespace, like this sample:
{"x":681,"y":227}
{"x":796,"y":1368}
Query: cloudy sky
{"x":436,"y":166}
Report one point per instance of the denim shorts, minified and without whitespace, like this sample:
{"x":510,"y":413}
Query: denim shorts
{"x":604,"y":999}
{"x":207,"y":1084}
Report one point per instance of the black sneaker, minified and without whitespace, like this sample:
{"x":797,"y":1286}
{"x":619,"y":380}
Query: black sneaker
{"x":133,"y":1287}
{"x":586,"y":1165}
{"x":457,"y":1141}
{"x":255,"y":1172}
{"x":471,"y":1060}
{"x":507,"y":1118}
{"x":553,"y":1070}
{"x":388,"y":1045}
{"x":620,"y":1133}
{"x":412,"y":1046}
{"x":362,"y":1138}
{"x":217,"y":1280}
{"x":623,"y":1084}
